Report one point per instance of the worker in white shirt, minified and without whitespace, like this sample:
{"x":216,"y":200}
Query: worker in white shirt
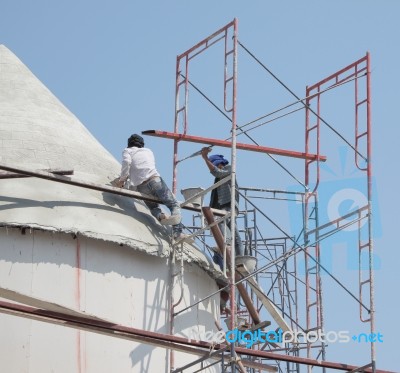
{"x":138,"y":166}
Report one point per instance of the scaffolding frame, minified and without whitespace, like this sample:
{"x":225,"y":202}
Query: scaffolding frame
{"x":312,"y":158}
{"x":313,"y":231}
{"x":362,"y":151}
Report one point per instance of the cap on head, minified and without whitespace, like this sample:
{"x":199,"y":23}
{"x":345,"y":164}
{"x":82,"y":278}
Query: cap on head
{"x":217,"y":159}
{"x":136,"y":141}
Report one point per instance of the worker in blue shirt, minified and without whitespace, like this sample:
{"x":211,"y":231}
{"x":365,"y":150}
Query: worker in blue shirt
{"x":221,"y":197}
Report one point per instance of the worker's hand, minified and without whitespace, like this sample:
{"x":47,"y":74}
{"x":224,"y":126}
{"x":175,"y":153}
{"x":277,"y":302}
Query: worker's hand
{"x":118,"y":183}
{"x":205,"y":151}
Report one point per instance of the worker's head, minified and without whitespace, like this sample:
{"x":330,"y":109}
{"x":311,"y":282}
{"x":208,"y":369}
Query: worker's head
{"x":218,"y":160}
{"x":135,"y":141}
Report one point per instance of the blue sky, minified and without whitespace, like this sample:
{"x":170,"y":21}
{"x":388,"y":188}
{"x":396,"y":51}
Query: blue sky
{"x":113,"y":65}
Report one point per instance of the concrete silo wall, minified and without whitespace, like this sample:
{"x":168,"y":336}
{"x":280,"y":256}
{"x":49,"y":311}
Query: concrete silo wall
{"x":113,"y":282}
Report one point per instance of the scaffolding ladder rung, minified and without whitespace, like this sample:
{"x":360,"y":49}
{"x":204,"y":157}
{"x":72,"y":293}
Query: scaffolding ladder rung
{"x":361,"y":134}
{"x":182,"y":82}
{"x":312,"y":128}
{"x":311,"y":269}
{"x":362,"y":283}
{"x":313,"y":329}
{"x":313,"y":304}
{"x":361,"y":102}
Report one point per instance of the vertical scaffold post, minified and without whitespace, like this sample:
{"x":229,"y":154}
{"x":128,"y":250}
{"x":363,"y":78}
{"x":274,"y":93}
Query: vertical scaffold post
{"x":180,"y":109}
{"x":314,"y":314}
{"x":233,"y":165}
{"x":370,"y":236}
{"x":229,"y":34}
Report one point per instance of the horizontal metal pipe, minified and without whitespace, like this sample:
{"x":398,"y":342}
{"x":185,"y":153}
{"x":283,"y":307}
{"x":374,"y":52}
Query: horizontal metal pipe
{"x":94,"y":186}
{"x":228,"y":144}
{"x":157,"y":339}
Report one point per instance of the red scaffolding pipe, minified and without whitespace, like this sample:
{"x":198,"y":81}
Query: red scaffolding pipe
{"x":228,"y":144}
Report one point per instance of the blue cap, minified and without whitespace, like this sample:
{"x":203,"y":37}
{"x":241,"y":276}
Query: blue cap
{"x":217,"y":159}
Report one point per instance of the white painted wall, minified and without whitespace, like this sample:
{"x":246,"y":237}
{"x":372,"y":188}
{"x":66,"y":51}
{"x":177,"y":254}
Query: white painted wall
{"x":113,"y":282}
{"x":124,"y":284}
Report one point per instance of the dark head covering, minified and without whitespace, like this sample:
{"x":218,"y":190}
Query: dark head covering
{"x":136,"y":141}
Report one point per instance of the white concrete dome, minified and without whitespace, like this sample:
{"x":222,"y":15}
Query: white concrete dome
{"x":83,"y":249}
{"x":38,"y":132}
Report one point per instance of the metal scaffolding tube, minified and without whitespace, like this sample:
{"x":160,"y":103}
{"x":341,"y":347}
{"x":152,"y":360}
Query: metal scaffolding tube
{"x":238,"y":127}
{"x":281,"y":308}
{"x":353,"y":70}
{"x":273,"y":119}
{"x":237,"y":281}
{"x":233,"y":179}
{"x":295,"y":250}
{"x":153,"y":338}
{"x":299,"y":247}
{"x":219,"y":239}
{"x":227,"y":144}
{"x":300,"y":100}
{"x":271,"y":113}
{"x":204,"y":192}
{"x":99,"y":187}
{"x":370,"y":237}
{"x":208,"y":99}
{"x":305,"y":105}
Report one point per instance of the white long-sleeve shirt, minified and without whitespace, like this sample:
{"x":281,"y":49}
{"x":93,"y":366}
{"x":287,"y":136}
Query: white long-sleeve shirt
{"x":138,"y":164}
